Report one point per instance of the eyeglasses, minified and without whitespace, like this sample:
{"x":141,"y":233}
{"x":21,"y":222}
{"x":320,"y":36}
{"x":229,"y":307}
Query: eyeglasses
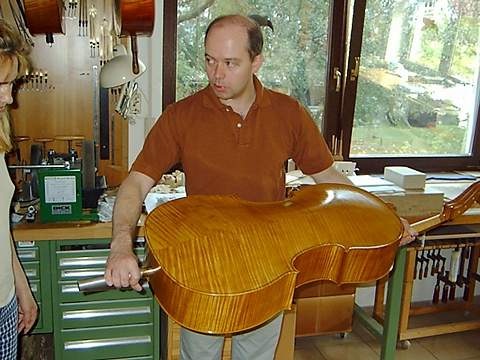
{"x":7,"y":85}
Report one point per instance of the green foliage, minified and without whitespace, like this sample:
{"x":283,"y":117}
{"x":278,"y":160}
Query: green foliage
{"x":295,"y":53}
{"x":386,"y":140}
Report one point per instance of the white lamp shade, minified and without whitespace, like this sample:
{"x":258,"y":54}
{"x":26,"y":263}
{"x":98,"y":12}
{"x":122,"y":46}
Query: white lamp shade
{"x":118,"y":71}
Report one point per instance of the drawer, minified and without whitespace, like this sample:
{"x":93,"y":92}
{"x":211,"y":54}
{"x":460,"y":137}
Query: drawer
{"x":68,"y":292}
{"x":36,"y":289}
{"x":119,"y":342}
{"x":90,"y":258}
{"x":32,"y":269}
{"x":105,"y":313}
{"x":28,"y":253}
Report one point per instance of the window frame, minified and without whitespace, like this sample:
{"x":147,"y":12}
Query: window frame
{"x":339,"y":106}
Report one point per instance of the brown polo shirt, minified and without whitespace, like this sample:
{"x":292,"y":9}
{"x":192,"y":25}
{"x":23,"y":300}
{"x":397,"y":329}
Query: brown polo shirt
{"x":223,"y":154}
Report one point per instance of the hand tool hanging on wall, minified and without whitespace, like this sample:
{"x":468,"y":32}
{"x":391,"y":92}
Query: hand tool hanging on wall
{"x":18,"y":14}
{"x":72,"y":9}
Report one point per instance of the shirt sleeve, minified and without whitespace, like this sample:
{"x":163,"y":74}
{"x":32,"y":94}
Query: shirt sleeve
{"x":310,"y":152}
{"x":161,"y":149}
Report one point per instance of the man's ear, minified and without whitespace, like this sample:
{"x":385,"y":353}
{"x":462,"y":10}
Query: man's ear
{"x":257,"y":62}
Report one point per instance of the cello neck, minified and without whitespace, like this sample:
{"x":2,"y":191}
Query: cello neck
{"x":451,"y":209}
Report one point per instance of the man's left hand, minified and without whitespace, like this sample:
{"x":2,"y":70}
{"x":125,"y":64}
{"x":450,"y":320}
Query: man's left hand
{"x":409,"y":234}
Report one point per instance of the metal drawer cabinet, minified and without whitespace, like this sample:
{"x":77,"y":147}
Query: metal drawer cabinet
{"x":104,"y":325}
{"x":86,"y":260}
{"x":35,"y":259}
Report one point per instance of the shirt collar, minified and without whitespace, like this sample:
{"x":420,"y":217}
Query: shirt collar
{"x":262,"y":97}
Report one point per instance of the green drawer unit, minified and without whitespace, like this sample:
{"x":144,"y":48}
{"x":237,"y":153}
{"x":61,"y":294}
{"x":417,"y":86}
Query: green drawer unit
{"x":35,"y":259}
{"x":82,"y":262}
{"x":112,"y":324}
{"x":110,"y":342}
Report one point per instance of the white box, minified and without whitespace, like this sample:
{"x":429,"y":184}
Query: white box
{"x":405,"y":177}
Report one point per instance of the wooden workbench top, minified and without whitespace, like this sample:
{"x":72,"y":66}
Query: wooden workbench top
{"x":66,"y":231}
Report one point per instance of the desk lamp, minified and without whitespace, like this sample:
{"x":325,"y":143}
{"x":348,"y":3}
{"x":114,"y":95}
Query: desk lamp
{"x":118,"y":72}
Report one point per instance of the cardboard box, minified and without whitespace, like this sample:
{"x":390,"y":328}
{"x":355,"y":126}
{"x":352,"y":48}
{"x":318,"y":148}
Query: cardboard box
{"x":405,"y":177}
{"x":324,"y":315}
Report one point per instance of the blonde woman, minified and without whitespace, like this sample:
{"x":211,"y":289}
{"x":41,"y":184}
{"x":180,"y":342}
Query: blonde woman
{"x":18,"y":310}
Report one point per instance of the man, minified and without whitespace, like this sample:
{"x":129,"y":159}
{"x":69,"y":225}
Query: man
{"x":233,"y":137}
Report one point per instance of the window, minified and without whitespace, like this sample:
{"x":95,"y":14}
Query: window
{"x":398,"y":85}
{"x":416,"y":98}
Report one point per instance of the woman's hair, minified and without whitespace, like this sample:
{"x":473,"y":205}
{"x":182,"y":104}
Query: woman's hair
{"x":12,"y":47}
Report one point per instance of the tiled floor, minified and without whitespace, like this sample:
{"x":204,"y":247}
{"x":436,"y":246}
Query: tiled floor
{"x":361,"y":345}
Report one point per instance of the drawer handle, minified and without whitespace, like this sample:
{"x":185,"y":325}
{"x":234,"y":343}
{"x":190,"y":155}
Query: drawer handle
{"x":73,"y":288}
{"x":92,"y":314}
{"x":31,"y":273}
{"x":34,"y":288}
{"x":88,"y":261}
{"x":27,"y":255}
{"x":102,"y":343}
{"x":69,"y":274}
{"x":83,"y":261}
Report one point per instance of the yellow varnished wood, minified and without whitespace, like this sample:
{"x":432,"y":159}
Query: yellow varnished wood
{"x":229,"y":265}
{"x":451,"y":209}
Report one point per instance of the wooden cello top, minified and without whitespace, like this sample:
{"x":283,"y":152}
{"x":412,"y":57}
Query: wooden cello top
{"x":222,"y":255}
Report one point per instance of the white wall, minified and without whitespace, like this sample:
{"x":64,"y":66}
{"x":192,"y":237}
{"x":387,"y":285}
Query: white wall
{"x":150,"y":84}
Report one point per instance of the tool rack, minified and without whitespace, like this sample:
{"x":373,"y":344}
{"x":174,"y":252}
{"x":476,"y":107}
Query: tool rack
{"x":423,"y":260}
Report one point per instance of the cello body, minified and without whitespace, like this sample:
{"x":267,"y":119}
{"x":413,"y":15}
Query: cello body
{"x":226,"y":265}
{"x":138,"y":19}
{"x":44,"y":16}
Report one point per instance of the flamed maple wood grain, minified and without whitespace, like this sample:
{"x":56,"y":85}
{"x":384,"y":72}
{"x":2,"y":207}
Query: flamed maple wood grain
{"x":229,"y":265}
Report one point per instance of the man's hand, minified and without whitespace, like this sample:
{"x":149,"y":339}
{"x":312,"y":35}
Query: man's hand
{"x":122,"y":269}
{"x":409,"y":234}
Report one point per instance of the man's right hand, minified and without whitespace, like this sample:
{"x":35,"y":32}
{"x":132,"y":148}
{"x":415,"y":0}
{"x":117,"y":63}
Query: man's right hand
{"x":122,"y":269}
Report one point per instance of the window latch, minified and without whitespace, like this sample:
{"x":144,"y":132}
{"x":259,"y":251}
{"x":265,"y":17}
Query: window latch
{"x":355,"y":71}
{"x":337,"y":75}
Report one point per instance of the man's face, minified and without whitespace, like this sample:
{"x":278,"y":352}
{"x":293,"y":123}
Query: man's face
{"x":8,"y":73}
{"x":227,"y":62}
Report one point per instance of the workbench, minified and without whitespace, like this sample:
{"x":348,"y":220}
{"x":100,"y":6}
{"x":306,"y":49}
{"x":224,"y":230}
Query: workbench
{"x":389,"y":323}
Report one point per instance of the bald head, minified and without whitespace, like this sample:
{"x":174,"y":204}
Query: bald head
{"x":255,"y":37}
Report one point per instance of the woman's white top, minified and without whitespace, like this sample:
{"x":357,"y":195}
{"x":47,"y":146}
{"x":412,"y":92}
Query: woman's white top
{"x":7,"y":286}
